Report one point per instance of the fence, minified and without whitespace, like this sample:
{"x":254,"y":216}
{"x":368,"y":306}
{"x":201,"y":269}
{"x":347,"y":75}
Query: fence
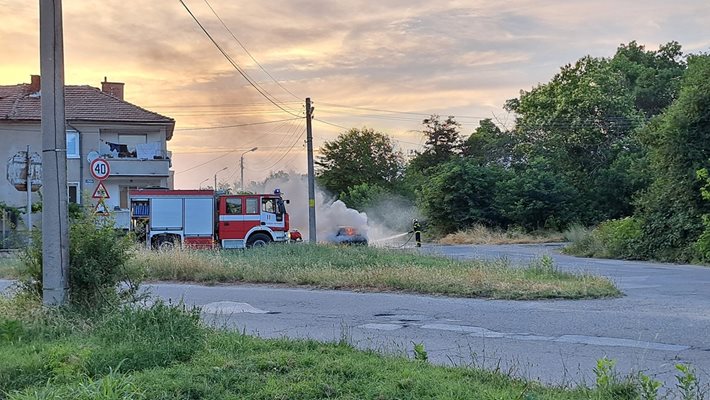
{"x":10,"y":236}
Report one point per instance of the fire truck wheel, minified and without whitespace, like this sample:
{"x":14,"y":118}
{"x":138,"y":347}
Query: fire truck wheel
{"x":165,"y":243}
{"x":258,"y":240}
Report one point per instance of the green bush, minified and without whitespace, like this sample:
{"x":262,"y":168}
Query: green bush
{"x":619,"y":237}
{"x":98,"y":271}
{"x":616,"y":238}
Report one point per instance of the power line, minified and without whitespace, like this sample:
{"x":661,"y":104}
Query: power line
{"x":331,"y":124}
{"x":285,"y":154}
{"x":235,"y":126}
{"x":248,"y":53}
{"x":243,"y":73}
{"x":205,"y":163}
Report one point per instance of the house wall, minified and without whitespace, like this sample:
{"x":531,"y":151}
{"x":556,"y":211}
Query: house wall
{"x":15,"y":136}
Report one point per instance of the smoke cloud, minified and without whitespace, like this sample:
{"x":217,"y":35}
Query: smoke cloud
{"x":389,"y":217}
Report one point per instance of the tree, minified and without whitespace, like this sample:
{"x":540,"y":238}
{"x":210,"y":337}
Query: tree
{"x":443,"y":142}
{"x":581,"y":122}
{"x":356,"y":157}
{"x":537,"y":197}
{"x":362,"y":196}
{"x":678,"y":144}
{"x":461,"y":193}
{"x":653,"y":77}
{"x":488,"y":144}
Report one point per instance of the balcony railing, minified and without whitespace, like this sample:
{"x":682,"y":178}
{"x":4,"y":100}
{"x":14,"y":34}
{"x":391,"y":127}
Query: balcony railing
{"x":138,"y":167}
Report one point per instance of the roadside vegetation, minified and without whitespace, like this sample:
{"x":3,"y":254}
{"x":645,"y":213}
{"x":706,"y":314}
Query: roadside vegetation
{"x":372,"y":269}
{"x":9,"y":266}
{"x":165,"y":352}
{"x":480,"y":234}
{"x":619,"y":143}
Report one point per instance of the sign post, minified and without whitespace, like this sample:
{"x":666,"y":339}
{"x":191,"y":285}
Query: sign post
{"x":100,"y":169}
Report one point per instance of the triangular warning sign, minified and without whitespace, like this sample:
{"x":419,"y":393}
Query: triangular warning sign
{"x":101,"y":208}
{"x":100,"y":192}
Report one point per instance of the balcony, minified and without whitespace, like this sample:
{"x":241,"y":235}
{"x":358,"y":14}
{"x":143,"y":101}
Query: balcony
{"x":128,"y":166}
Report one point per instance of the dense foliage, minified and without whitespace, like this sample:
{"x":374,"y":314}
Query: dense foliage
{"x":358,"y":156}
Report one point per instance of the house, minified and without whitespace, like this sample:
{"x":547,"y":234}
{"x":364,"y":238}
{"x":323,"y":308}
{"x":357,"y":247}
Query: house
{"x":99,"y":123}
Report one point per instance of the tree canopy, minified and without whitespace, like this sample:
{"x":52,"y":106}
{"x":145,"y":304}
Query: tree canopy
{"x":358,"y":156}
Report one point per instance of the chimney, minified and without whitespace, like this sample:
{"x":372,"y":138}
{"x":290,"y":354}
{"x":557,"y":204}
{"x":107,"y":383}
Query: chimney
{"x":115,"y":89}
{"x":35,"y":85}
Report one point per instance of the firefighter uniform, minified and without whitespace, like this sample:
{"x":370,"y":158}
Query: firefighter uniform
{"x":417,"y":229}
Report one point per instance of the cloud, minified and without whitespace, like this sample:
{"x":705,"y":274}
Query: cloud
{"x":457,"y":57}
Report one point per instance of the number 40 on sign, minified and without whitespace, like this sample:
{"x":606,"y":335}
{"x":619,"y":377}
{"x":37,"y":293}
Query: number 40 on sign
{"x":100,"y":169}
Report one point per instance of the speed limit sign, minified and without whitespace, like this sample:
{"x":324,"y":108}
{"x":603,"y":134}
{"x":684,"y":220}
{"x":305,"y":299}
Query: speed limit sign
{"x":100,"y":169}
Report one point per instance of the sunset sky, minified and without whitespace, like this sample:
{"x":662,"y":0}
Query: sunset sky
{"x":385,"y":64}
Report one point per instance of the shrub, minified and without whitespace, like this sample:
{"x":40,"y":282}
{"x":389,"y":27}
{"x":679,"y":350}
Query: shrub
{"x":616,"y":238}
{"x":98,"y":273}
{"x":619,"y":237}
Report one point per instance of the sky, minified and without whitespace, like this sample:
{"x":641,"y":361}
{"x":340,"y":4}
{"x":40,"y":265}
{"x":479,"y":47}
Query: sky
{"x":384,"y":65}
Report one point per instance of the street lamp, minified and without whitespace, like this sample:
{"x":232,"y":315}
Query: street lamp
{"x":215,"y":177}
{"x":200,"y":185}
{"x":241,"y":164}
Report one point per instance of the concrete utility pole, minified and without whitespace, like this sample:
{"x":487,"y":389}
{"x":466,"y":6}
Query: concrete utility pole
{"x":55,"y":232}
{"x":241,"y":167}
{"x":311,"y":175}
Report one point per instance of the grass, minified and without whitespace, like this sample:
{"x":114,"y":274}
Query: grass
{"x":165,"y":352}
{"x":479,"y":234}
{"x":372,"y":269}
{"x":9,"y":265}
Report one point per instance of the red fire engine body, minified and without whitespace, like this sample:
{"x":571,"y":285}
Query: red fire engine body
{"x":202,"y":218}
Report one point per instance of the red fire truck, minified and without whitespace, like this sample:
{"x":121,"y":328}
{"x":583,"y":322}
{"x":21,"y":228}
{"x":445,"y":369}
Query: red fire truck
{"x":203,"y":219}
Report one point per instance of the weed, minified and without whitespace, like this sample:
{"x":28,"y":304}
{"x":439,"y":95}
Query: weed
{"x":420,"y":353}
{"x":648,"y":387}
{"x":687,"y":383}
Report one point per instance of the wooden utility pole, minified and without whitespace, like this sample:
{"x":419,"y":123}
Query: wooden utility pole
{"x":55,"y":224}
{"x":311,"y":177}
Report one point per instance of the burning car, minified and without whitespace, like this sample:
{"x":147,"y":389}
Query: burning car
{"x":349,"y":235}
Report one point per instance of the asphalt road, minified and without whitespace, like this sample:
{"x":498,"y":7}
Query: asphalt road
{"x":663,"y":319}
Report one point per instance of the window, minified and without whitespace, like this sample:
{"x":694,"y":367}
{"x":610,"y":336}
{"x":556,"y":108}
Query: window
{"x":73,"y":150}
{"x":252,"y":205}
{"x":268,"y":205}
{"x":73,"y":193}
{"x":234,"y":206}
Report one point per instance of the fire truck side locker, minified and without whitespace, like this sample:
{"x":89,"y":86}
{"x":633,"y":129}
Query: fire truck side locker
{"x":199,"y":222}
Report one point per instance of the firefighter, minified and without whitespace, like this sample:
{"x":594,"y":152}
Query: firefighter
{"x":417,"y":230}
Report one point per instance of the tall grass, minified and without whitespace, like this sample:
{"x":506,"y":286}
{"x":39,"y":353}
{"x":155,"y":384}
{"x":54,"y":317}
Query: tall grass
{"x":479,"y":234}
{"x":361,"y":268}
{"x":9,"y":265}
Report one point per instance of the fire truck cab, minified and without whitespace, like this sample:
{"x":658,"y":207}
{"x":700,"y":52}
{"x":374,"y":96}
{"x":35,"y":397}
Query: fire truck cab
{"x":203,"y":219}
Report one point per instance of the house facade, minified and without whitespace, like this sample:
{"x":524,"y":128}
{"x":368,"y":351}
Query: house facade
{"x":100,"y":124}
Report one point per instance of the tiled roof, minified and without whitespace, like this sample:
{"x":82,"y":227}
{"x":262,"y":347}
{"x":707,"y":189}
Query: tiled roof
{"x":82,"y":103}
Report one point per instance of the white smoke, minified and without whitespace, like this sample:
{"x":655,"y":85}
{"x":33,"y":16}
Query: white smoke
{"x":390,"y":216}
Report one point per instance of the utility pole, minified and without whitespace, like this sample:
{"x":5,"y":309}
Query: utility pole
{"x":28,"y":171}
{"x":311,"y":177}
{"x":241,"y":167}
{"x":55,"y":232}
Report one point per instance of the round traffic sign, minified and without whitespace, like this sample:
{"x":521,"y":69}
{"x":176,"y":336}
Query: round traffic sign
{"x":100,"y":169}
